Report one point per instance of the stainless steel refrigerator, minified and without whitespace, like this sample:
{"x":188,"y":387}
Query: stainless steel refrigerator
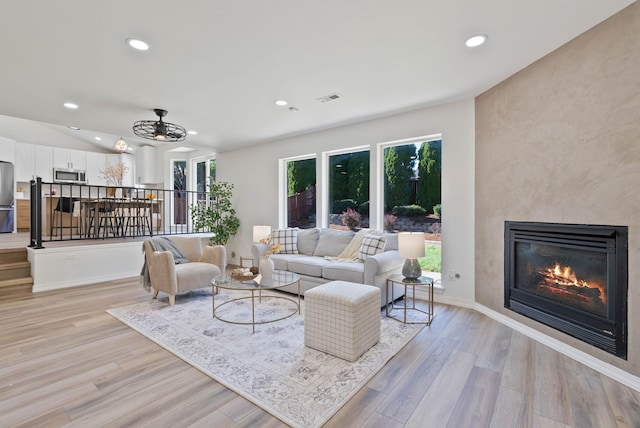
{"x":7,"y":200}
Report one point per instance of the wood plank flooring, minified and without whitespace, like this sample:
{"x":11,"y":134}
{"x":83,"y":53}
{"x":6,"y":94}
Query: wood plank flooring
{"x":65,"y":362}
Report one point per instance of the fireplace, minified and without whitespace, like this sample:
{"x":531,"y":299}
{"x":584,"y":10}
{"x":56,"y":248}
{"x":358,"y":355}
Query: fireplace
{"x":570,"y":277}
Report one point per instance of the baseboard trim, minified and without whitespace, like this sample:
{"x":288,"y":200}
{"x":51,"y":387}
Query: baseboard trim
{"x":600,"y":366}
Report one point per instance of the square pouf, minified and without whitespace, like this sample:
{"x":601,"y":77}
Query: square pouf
{"x":342,"y":318}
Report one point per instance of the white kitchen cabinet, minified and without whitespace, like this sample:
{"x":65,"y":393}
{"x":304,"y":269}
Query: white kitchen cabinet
{"x":43,"y":162}
{"x":127,"y":159}
{"x":69,"y":158}
{"x":25,"y":165}
{"x":7,"y":150}
{"x":96,"y":163}
{"x":146,"y":165}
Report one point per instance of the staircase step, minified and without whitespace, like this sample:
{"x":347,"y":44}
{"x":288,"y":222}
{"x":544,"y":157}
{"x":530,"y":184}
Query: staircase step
{"x":27,"y":280}
{"x":15,"y":270}
{"x":13,"y":255}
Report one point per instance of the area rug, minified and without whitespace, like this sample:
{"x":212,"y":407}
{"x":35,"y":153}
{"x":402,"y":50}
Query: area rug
{"x":271,"y":368}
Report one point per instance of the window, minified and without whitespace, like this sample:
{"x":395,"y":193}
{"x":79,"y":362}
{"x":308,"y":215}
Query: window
{"x":412,"y":193}
{"x":348,"y":187}
{"x":301,"y":193}
{"x":179,"y":201}
{"x":205,"y":173}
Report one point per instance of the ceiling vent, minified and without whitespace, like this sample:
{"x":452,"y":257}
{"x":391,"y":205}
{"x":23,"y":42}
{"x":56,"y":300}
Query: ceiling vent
{"x":328,"y":98}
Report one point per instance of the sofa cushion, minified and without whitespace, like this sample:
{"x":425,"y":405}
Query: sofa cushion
{"x":332,"y":242}
{"x":311,"y":266}
{"x":371,"y":245}
{"x":391,"y":241}
{"x":344,"y":271}
{"x":288,"y":240}
{"x":307,"y":241}
{"x":281,"y":261}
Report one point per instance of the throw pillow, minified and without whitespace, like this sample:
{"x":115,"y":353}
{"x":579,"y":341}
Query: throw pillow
{"x":307,"y":241}
{"x":371,"y":245}
{"x":288,"y":240}
{"x":332,"y":242}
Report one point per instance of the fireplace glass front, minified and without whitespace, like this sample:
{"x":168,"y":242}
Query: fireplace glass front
{"x":570,"y":277}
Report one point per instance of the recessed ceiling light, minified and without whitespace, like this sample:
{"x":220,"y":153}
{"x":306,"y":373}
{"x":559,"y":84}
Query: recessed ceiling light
{"x":476,"y":40}
{"x":71,"y":106}
{"x":281,"y":103}
{"x":138,"y":44}
{"x":192,"y":132}
{"x":97,"y":138}
{"x":75,"y":128}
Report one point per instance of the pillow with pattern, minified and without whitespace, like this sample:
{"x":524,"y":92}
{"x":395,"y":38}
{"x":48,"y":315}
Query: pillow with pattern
{"x":288,"y":240}
{"x":371,"y":245}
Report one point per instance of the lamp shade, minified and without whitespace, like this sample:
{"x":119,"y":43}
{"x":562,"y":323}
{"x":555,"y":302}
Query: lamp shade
{"x":411,"y":244}
{"x":261,"y":232}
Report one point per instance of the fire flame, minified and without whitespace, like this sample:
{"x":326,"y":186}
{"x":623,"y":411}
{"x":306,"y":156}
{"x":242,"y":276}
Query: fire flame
{"x":566,"y":273}
{"x":569,"y":277}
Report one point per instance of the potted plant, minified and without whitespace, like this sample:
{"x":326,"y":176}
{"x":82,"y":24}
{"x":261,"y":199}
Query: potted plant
{"x":219,"y":216}
{"x":114,"y":175}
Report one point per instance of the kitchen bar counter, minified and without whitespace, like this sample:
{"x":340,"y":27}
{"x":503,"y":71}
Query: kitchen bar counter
{"x":89,"y":214}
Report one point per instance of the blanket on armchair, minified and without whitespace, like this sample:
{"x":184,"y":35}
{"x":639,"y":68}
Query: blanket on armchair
{"x":160,"y":243}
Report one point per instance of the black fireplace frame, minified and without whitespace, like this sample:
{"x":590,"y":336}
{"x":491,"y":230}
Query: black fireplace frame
{"x":608,"y":333}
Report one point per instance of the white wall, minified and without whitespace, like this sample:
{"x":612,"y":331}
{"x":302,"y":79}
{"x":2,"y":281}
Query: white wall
{"x":254,"y":173}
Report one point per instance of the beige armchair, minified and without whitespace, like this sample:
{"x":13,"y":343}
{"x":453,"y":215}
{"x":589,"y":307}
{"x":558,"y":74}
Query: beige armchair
{"x":205,"y":262}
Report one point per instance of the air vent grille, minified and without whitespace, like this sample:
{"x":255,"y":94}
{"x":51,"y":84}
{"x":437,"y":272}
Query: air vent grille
{"x":328,"y":98}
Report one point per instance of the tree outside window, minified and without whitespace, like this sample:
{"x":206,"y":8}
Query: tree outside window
{"x":301,"y":193}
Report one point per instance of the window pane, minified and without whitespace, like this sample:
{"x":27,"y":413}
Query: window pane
{"x":201,"y":180}
{"x":349,"y":188}
{"x":301,"y":193}
{"x":412,"y":195}
{"x":179,"y":196}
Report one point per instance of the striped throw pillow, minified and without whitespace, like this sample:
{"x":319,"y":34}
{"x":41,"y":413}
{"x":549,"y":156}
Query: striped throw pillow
{"x":288,"y":240}
{"x":371,"y":245}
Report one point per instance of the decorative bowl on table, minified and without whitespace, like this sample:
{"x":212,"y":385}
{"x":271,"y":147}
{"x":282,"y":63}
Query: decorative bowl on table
{"x":243,"y":274}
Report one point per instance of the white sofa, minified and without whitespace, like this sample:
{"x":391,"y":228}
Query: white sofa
{"x":316,"y":259}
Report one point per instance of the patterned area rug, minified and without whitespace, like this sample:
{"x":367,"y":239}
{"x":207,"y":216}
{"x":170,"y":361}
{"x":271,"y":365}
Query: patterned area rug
{"x":272,"y":368}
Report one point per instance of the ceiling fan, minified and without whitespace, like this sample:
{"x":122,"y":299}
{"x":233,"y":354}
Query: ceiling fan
{"x":159,"y":130}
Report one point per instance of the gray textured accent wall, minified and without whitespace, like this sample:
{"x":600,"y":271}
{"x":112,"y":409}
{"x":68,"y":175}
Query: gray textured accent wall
{"x":560,"y":142}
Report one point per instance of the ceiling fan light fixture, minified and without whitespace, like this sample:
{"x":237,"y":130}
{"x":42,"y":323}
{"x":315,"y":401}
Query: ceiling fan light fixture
{"x":159,"y":130}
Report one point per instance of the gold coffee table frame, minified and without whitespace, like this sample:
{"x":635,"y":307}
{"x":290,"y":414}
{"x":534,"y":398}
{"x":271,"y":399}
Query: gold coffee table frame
{"x":279,"y":279}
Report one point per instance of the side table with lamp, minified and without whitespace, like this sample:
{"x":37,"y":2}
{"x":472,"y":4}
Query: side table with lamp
{"x":411,"y":246}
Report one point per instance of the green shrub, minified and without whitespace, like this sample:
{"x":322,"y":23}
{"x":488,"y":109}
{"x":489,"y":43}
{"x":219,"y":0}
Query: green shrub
{"x":364,"y":208}
{"x":437,"y":210}
{"x":409,"y":210}
{"x":342,"y":205}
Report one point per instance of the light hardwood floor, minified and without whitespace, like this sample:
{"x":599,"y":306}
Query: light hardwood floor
{"x":65,"y":362}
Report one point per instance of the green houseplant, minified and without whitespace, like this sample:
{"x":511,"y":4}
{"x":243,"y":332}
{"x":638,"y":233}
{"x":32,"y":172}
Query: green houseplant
{"x":219,"y":216}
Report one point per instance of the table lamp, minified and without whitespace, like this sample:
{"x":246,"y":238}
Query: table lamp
{"x":411,"y":246}
{"x":260,"y":233}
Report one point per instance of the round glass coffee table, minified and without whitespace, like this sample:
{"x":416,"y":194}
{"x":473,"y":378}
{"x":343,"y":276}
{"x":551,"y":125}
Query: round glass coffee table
{"x":279,"y":279}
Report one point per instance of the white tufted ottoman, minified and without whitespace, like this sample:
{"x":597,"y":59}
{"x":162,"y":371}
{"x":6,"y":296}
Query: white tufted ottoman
{"x":342,"y":318}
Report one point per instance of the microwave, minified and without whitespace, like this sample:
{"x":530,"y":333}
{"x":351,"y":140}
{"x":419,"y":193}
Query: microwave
{"x":73,"y":176}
